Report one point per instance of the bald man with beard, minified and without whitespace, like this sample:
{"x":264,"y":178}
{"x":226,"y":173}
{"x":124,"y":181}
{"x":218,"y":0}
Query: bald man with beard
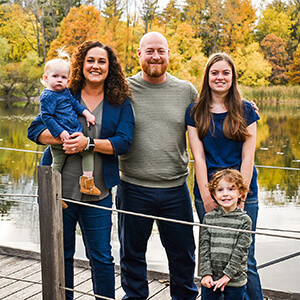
{"x":153,"y":175}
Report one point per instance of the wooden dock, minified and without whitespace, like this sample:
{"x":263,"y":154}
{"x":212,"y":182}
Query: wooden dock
{"x":17,"y":265}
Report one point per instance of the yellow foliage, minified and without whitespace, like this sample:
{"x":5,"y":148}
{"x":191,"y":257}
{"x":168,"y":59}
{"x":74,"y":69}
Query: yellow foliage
{"x":252,"y":69}
{"x":19,"y":29}
{"x":272,"y":21}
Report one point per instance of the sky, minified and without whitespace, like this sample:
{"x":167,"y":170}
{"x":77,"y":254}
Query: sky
{"x":163,"y":3}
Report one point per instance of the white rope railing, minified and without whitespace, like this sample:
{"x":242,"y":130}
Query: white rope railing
{"x":21,"y":150}
{"x":20,"y":195}
{"x":20,"y":279}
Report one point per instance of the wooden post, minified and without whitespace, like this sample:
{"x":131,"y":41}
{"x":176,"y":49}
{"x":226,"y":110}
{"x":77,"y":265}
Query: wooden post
{"x":51,"y":233}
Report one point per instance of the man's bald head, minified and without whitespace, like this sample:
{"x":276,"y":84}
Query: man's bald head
{"x":153,"y":35}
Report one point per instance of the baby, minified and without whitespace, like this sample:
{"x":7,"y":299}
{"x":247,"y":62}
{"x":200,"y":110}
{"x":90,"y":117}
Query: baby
{"x":59,"y":112}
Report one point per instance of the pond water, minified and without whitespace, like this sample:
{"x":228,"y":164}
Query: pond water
{"x":278,"y":144}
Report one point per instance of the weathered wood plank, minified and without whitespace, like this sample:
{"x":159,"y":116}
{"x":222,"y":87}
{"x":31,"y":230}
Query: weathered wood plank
{"x":86,"y":287}
{"x":21,"y":273}
{"x":8,"y":263}
{"x":24,"y":291}
{"x":38,"y":296}
{"x":31,"y":290}
{"x":81,"y":275}
{"x":163,"y":294}
{"x":12,"y":289}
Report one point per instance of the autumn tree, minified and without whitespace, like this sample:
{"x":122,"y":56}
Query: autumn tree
{"x":112,"y":13}
{"x":148,"y":12}
{"x":29,"y":74}
{"x":127,"y":50}
{"x":252,"y":68}
{"x":274,"y":20}
{"x":6,"y":86}
{"x":294,"y":70}
{"x":239,"y":18}
{"x":273,"y":48}
{"x":81,"y":24}
{"x":171,"y":15}
{"x":206,"y":18}
{"x":47,"y":16}
{"x":187,"y":60}
{"x":294,"y":40}
{"x":113,"y":8}
{"x":19,"y":30}
{"x":36,"y":9}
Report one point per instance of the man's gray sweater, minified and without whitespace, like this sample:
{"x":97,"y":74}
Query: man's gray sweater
{"x":158,"y":156}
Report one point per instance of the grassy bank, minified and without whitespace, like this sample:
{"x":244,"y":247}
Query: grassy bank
{"x":271,"y":93}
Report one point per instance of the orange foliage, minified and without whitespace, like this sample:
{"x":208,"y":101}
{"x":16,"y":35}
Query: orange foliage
{"x":81,"y":24}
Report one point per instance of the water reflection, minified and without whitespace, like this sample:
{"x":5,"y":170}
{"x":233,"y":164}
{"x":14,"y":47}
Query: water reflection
{"x":278,"y":144}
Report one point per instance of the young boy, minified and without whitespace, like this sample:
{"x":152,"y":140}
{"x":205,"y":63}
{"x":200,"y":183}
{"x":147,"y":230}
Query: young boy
{"x":59,"y":112}
{"x":223,"y":253}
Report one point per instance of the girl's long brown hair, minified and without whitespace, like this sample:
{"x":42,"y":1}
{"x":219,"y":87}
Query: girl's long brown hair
{"x":116,"y":88}
{"x":234,"y":126}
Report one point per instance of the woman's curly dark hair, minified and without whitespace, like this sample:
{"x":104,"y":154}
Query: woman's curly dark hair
{"x":116,"y":88}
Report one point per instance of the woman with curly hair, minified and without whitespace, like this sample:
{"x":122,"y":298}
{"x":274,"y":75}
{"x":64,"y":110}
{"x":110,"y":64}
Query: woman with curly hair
{"x":98,"y":83}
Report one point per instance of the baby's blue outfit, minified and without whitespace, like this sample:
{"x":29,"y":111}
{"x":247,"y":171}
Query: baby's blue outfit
{"x":59,"y":112}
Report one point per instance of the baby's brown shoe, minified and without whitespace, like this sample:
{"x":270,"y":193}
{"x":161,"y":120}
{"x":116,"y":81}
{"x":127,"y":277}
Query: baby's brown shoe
{"x":87,"y":186}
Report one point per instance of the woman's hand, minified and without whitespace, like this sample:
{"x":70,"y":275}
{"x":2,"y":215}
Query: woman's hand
{"x":255,"y":107}
{"x":210,"y":205}
{"x":76,"y":143}
{"x":208,"y":202}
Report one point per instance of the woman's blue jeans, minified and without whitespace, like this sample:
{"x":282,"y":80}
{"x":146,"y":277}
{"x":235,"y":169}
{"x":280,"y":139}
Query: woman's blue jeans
{"x":253,"y":290}
{"x":95,"y":225}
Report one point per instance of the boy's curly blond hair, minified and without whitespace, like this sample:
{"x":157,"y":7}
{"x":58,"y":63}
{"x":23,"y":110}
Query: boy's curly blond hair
{"x":232,"y":176}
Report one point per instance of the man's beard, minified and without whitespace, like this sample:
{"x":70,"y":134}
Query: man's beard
{"x":154,"y":71}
